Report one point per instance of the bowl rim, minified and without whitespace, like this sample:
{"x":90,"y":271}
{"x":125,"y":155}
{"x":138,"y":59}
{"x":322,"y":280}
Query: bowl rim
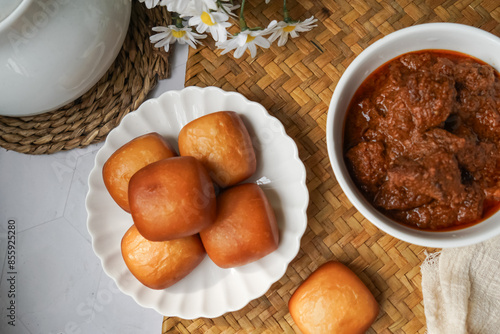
{"x":425,"y":238}
{"x":14,"y":15}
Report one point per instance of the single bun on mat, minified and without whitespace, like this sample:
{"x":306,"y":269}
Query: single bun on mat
{"x":222,"y":143}
{"x":128,"y":159}
{"x":333,"y":300}
{"x":245,"y":229}
{"x":172,"y":198}
{"x":159,"y":265}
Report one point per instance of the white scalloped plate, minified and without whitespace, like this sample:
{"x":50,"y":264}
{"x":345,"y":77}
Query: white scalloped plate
{"x":208,"y":291}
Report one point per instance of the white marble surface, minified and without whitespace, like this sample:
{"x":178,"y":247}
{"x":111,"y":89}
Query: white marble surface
{"x":57,"y":283}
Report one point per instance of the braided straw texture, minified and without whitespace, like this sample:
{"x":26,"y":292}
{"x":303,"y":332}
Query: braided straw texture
{"x":295,"y":83}
{"x":88,"y":119}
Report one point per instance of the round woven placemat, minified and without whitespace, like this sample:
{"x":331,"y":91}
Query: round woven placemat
{"x":295,"y":83}
{"x":88,"y":119}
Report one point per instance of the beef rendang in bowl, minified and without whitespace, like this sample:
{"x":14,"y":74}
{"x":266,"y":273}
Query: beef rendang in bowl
{"x":413,"y":134}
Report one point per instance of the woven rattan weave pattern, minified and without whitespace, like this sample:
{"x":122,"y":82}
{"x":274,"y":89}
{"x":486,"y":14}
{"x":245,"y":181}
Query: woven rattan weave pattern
{"x":89,"y":119}
{"x":295,"y":83}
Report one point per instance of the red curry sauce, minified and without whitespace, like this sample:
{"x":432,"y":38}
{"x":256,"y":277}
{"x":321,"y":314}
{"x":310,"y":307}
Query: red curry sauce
{"x":422,"y":139}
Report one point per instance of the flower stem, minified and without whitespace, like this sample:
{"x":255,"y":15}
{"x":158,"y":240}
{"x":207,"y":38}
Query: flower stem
{"x":243,"y":23}
{"x":178,"y":21}
{"x":286,"y":13}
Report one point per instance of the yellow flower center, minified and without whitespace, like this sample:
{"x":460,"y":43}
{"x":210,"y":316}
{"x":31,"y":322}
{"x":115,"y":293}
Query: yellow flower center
{"x":205,"y":18}
{"x":289,"y":28}
{"x":250,"y":38}
{"x":178,"y":33}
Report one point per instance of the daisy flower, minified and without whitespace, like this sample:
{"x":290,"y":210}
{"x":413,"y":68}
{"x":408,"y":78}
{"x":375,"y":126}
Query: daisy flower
{"x":171,"y":34}
{"x":283,"y":29}
{"x":215,"y":22}
{"x":177,"y":6}
{"x":150,"y":3}
{"x":189,"y":7}
{"x":247,"y":40}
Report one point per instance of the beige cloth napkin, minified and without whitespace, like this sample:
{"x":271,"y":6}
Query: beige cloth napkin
{"x":461,"y":289}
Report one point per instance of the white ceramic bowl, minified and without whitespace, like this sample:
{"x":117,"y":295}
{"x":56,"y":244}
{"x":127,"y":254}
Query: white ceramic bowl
{"x":446,"y":36}
{"x":52,"y":52}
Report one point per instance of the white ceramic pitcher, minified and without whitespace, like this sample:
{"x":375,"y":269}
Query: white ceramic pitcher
{"x":53,"y":51}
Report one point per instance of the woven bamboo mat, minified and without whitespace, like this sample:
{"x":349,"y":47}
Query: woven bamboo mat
{"x":88,"y":119}
{"x":295,"y":83}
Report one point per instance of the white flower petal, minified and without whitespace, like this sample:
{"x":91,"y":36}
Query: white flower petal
{"x":262,"y":42}
{"x":195,"y":20}
{"x":166,"y":47}
{"x":164,"y":42}
{"x":157,"y":37}
{"x":201,"y":28}
{"x":283,"y":39}
{"x":215,"y":33}
{"x":239,"y":51}
{"x":228,"y":8}
{"x":150,"y":3}
{"x":253,"y":50}
{"x":224,"y":51}
{"x":221,"y":34}
{"x":190,"y":43}
{"x":242,"y":37}
{"x":274,"y":36}
{"x":160,"y":28}
{"x":272,"y":24}
{"x":220,"y":17}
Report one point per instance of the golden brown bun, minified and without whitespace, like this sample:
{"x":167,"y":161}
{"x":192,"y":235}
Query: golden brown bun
{"x":172,"y":198}
{"x":222,"y":143}
{"x":159,"y":265}
{"x":333,"y":300}
{"x":245,"y":229}
{"x":128,"y":159}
